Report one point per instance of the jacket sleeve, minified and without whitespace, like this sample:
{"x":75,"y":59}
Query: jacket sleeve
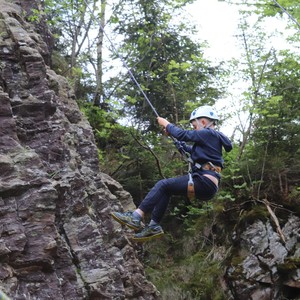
{"x":180,"y":134}
{"x":226,"y":143}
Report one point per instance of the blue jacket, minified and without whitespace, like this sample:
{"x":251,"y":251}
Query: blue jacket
{"x":207,"y":146}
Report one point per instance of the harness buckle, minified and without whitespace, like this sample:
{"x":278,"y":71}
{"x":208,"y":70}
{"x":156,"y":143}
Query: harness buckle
{"x":208,"y":166}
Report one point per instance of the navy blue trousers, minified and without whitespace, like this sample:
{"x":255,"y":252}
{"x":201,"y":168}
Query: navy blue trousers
{"x":157,"y":199}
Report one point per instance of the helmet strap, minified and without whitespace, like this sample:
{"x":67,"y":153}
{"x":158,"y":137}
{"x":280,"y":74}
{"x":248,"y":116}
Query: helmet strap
{"x":208,"y":125}
{"x":199,"y":124}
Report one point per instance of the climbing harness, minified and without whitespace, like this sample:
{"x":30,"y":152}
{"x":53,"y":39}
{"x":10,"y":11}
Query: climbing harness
{"x":209,"y":166}
{"x":187,"y":156}
{"x":191,"y":188}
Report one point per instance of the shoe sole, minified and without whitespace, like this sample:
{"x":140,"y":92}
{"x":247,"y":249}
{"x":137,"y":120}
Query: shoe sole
{"x":126,"y":224}
{"x":147,"y":238}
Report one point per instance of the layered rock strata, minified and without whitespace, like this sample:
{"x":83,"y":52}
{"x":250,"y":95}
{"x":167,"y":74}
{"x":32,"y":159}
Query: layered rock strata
{"x":57,"y":240}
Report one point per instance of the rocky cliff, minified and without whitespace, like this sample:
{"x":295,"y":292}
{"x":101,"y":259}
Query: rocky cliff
{"x":57,"y":238}
{"x":266,"y":262}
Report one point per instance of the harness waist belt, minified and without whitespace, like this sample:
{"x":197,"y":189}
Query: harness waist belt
{"x":208,"y":166}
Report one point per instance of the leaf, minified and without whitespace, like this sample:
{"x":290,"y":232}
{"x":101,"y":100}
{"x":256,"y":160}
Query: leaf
{"x":242,"y":186}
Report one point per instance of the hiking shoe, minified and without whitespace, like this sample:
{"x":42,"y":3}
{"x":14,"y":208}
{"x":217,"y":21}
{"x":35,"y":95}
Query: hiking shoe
{"x":148,"y":233}
{"x":127,"y":219}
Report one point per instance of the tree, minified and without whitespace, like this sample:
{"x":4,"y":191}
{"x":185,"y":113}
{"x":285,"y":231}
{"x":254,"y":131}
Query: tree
{"x":77,"y":23}
{"x":165,"y":61}
{"x":277,"y":128}
{"x":273,"y":117}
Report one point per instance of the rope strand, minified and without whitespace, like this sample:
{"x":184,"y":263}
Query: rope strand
{"x":122,"y":60}
{"x":285,"y":11}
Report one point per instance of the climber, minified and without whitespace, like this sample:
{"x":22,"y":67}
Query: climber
{"x":206,"y":155}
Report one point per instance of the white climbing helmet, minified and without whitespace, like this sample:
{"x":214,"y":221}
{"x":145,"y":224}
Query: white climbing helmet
{"x":205,"y":111}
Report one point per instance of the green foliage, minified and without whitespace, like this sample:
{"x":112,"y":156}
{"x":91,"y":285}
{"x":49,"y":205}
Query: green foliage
{"x":197,"y":278}
{"x":137,"y":160}
{"x":268,"y":8}
{"x":35,"y":16}
{"x":268,"y":148}
{"x":234,"y":185}
{"x":172,"y":71}
{"x":168,"y":64}
{"x":275,"y":141}
{"x":257,"y":212}
{"x":181,"y":264}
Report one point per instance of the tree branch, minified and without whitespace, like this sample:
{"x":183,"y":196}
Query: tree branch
{"x":153,"y":154}
{"x":275,"y":219}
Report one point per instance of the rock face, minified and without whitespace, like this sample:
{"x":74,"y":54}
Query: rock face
{"x":269,"y":263}
{"x":57,"y":240}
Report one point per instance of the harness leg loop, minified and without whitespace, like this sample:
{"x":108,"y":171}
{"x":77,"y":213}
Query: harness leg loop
{"x":191,"y":188}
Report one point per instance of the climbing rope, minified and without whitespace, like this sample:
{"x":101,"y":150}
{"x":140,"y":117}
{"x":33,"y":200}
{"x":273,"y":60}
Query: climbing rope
{"x":185,"y":154}
{"x":191,"y":191}
{"x":285,"y":11}
{"x":130,"y":73}
{"x":122,"y":60}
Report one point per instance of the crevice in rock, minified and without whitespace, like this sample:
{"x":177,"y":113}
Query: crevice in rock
{"x":60,"y":216}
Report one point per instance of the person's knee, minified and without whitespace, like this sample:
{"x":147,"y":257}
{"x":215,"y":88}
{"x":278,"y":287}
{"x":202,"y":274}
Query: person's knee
{"x":163,"y":185}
